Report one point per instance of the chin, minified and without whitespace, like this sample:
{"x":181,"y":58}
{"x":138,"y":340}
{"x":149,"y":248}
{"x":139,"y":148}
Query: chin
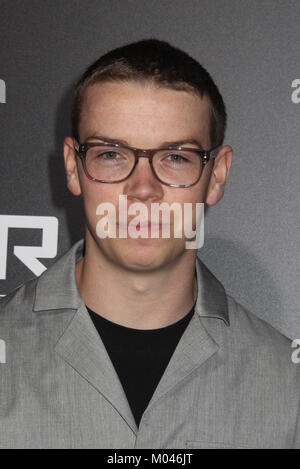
{"x":145,"y":255}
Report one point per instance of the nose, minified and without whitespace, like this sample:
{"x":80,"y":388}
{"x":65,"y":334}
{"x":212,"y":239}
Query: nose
{"x":142,"y":183}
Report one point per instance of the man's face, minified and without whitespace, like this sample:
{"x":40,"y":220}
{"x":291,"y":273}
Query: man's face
{"x":145,"y":117}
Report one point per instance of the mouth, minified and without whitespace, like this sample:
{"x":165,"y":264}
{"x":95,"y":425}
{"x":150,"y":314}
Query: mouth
{"x":142,"y":227}
{"x":145,"y":226}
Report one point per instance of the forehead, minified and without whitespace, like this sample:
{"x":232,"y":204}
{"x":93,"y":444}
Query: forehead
{"x":144,"y":114}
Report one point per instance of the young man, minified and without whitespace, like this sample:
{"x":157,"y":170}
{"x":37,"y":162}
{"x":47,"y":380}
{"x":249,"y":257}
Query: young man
{"x":131,"y":342}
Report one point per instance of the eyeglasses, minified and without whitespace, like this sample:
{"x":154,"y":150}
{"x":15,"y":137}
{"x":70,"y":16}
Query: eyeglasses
{"x":173,"y":166}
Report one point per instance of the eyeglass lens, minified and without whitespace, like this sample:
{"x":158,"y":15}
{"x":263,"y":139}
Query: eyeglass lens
{"x":112,"y":164}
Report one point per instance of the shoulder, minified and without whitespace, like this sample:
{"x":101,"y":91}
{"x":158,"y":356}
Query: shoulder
{"x":18,"y":302}
{"x":253,"y":329}
{"x":55,"y":289}
{"x":259,"y":347}
{"x":238,"y":325}
{"x":24,"y":329}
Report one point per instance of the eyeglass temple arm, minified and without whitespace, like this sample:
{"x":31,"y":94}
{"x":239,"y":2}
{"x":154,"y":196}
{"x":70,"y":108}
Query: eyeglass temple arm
{"x":211,"y":154}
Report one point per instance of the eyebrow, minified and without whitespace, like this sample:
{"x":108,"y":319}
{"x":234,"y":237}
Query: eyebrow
{"x":189,"y":141}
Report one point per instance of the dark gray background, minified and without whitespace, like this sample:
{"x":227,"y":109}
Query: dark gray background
{"x":252,"y":50}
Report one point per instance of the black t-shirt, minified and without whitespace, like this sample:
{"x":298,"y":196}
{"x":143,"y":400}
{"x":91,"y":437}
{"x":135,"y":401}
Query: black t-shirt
{"x":139,"y":356}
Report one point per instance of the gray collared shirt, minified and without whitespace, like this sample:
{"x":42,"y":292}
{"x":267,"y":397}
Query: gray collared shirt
{"x":230,"y":382}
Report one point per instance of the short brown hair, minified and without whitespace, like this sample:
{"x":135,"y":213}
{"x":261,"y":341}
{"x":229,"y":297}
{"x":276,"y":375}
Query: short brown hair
{"x":152,"y":60}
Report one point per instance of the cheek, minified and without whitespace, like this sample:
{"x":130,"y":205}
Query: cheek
{"x":95,"y":194}
{"x":198,"y":193}
{"x":191,"y":201}
{"x":190,"y":195}
{"x":194,"y":194}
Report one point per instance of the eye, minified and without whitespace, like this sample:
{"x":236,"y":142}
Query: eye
{"x":105,"y":155}
{"x":177,"y":158}
{"x":109,"y":155}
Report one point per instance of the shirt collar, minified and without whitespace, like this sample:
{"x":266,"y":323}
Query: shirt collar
{"x":57,"y":289}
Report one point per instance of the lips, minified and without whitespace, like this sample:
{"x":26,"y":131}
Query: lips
{"x":142,"y":227}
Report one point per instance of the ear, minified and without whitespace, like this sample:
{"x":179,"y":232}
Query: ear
{"x":71,"y":168}
{"x":219,"y":175}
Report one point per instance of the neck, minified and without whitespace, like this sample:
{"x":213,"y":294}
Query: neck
{"x":140,"y":300}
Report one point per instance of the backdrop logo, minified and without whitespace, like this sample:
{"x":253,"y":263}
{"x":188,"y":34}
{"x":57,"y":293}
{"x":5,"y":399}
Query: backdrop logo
{"x":2,"y":92}
{"x":28,"y":255}
{"x":295,"y":96}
